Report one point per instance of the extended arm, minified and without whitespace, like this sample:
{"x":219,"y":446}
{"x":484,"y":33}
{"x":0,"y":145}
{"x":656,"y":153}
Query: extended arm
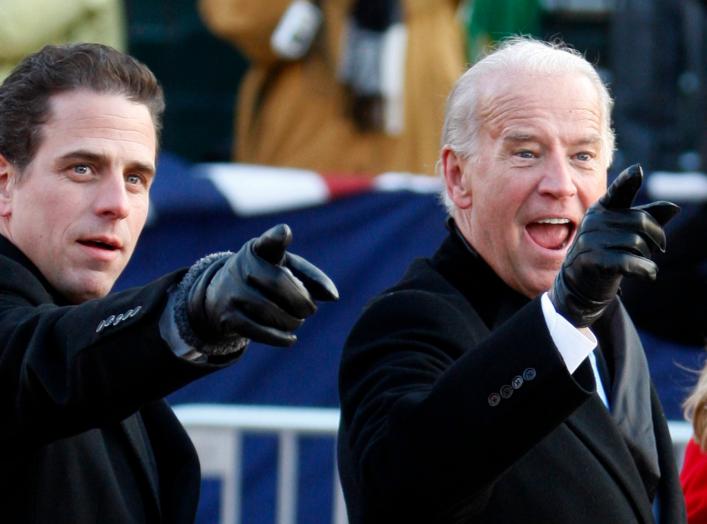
{"x":435,"y":407}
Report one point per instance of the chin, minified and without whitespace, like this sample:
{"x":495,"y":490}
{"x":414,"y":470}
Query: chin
{"x":80,"y":294}
{"x":538,"y":286}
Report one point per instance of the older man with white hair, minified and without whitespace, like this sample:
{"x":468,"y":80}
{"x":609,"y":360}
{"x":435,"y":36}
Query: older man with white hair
{"x":501,"y":380}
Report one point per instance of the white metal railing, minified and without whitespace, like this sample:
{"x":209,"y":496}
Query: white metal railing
{"x":681,"y":433}
{"x":217,"y":432}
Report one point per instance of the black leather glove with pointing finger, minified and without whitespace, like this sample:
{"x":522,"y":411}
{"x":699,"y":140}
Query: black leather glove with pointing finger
{"x":614,"y":240}
{"x":262,"y":293}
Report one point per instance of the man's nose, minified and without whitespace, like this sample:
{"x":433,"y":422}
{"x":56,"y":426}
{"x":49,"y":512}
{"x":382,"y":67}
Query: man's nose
{"x":557,"y":179}
{"x":112,"y":199}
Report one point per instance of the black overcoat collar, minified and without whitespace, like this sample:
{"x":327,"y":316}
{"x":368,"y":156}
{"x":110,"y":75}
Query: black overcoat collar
{"x":468,"y":272}
{"x":11,"y":251}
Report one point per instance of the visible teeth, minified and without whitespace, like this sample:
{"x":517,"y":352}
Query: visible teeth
{"x":554,"y":221}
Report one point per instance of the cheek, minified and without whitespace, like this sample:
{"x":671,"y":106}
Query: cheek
{"x":592,"y":189}
{"x":493,"y":206}
{"x":506,"y":201}
{"x":138,"y":217}
{"x":41,"y":214}
{"x":52,"y":197}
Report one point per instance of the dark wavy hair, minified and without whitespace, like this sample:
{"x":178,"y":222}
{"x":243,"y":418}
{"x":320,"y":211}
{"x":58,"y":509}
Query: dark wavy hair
{"x":25,"y":94}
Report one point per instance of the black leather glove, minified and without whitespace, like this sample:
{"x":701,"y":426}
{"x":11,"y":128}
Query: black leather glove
{"x":614,"y":240}
{"x":262,"y":292}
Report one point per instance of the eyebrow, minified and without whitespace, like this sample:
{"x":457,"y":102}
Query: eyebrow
{"x":96,"y":158}
{"x":517,"y":136}
{"x":588,"y":140}
{"x":521,"y":136}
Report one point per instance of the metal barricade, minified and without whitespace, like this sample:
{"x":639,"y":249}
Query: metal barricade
{"x":217,"y":432}
{"x":681,"y":433}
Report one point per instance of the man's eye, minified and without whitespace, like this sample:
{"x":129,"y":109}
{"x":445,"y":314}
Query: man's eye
{"x":81,"y":169}
{"x":134,"y":179}
{"x":525,"y":154}
{"x":584,"y":157}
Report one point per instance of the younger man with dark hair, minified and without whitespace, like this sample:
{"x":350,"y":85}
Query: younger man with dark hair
{"x":86,"y":436}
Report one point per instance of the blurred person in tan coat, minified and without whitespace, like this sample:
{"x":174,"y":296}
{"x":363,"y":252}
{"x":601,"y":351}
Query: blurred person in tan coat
{"x":300,"y":113}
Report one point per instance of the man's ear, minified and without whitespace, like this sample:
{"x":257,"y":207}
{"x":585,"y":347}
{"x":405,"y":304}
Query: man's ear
{"x":8,"y":180}
{"x":454,"y":179}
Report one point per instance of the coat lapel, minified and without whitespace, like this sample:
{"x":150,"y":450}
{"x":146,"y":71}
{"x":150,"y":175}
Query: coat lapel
{"x":627,"y":447}
{"x":608,"y":447}
{"x":630,"y":397}
{"x":138,"y":443}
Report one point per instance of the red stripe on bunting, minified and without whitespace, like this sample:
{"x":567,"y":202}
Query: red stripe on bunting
{"x":346,"y":184}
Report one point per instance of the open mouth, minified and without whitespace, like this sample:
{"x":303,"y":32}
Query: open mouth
{"x":99,"y":244}
{"x":551,"y":233}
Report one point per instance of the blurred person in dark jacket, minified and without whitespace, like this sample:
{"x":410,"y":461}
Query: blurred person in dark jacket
{"x":674,"y":306}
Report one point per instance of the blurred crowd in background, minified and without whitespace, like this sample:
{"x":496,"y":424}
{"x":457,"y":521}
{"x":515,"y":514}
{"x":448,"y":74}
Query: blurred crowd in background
{"x":216,"y":63}
{"x":653,"y":54}
{"x":359,"y":86}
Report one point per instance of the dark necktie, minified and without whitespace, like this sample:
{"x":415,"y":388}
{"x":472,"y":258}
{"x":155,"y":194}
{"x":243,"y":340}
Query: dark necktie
{"x":603,"y":370}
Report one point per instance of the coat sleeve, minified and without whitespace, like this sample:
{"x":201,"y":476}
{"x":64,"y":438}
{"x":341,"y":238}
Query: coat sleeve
{"x":435,"y":408}
{"x":66,"y":369}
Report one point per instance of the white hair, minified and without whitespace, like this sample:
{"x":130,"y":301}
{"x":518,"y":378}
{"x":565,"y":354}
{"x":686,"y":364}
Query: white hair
{"x":516,"y":55}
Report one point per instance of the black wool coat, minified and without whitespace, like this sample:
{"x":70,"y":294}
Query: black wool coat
{"x":86,"y":437}
{"x":458,"y":408}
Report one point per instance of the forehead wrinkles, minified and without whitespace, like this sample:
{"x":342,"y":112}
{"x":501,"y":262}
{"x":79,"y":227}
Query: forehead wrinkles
{"x":540,"y":104}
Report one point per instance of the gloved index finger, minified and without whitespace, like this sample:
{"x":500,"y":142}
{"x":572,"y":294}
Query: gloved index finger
{"x":662,"y":211}
{"x":319,"y":285}
{"x":622,"y":191}
{"x":272,"y":245}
